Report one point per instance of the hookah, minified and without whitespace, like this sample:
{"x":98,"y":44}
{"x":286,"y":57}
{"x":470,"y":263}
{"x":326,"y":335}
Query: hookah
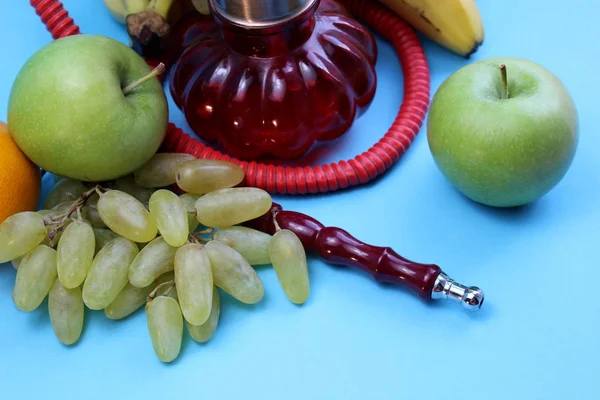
{"x":257,"y":27}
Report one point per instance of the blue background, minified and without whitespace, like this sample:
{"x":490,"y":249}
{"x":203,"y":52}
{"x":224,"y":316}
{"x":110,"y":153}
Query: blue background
{"x":537,"y":336}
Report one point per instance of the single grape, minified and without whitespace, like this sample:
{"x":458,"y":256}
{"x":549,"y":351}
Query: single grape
{"x":205,"y":176}
{"x":152,"y":261}
{"x":165,"y":324}
{"x":93,"y":199}
{"x":189,"y":203}
{"x":232,"y":273}
{"x":194,"y":281}
{"x":19,"y":234}
{"x":131,"y":298}
{"x":90,"y":212}
{"x":103,"y":236}
{"x":126,"y":216}
{"x":289,"y":261}
{"x":170,"y":216}
{"x":253,"y":245}
{"x":161,"y":169}
{"x":75,"y":253}
{"x":35,"y":277}
{"x":228,"y":207}
{"x":66,"y":190}
{"x":203,"y":333}
{"x":127,"y":184}
{"x":108,"y":273}
{"x":66,"y":310}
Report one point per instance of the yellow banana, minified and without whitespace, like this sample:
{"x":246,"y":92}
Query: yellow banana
{"x":136,"y":6}
{"x":201,"y":6}
{"x":120,"y":9}
{"x":454,"y":24}
{"x":117,"y":9}
{"x":161,"y":7}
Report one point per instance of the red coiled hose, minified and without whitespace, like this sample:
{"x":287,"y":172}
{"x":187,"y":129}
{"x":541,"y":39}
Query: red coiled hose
{"x":55,"y":17}
{"x":328,"y":177}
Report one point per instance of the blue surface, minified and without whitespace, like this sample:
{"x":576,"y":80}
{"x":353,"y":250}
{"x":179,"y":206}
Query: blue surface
{"x":536,"y":337}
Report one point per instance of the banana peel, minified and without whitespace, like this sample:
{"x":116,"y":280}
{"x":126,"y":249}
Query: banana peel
{"x":147,"y":30}
{"x":453,"y":24}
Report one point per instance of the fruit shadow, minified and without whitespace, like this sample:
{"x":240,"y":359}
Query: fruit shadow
{"x":514,"y":214}
{"x":110,"y":327}
{"x":487,"y":312}
{"x":39,"y":318}
{"x":91,"y":317}
{"x":230,"y":314}
{"x":232,"y":306}
{"x":7,"y":278}
{"x":402,"y":295}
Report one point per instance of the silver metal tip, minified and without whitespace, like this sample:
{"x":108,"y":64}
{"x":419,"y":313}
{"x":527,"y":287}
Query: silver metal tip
{"x":471,"y":298}
{"x":260,"y":13}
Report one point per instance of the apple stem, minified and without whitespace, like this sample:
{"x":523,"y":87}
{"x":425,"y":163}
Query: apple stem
{"x":504,"y":94}
{"x":160,"y":68}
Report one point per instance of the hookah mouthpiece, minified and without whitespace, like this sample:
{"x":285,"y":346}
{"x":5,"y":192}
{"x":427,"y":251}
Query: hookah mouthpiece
{"x":260,"y":12}
{"x":471,"y":298}
{"x":336,"y":246}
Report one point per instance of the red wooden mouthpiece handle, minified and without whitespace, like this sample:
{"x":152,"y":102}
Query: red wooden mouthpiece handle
{"x":337,"y":246}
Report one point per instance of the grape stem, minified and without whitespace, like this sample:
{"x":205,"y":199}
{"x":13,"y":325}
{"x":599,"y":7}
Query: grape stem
{"x":154,"y":293}
{"x":80,"y":202}
{"x":208,"y":231}
{"x":75,"y":207}
{"x":99,"y":190}
{"x":277,"y":227}
{"x":195,"y":237}
{"x":168,"y":291}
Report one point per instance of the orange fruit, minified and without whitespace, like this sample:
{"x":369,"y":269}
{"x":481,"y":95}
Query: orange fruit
{"x":20,"y":179}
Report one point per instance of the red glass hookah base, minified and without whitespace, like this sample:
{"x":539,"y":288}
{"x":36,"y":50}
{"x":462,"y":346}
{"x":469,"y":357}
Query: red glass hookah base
{"x":285,"y":91}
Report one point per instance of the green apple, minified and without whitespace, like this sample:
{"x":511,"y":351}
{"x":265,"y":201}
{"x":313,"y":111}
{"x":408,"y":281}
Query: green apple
{"x":69,"y":114}
{"x":503,"y":136}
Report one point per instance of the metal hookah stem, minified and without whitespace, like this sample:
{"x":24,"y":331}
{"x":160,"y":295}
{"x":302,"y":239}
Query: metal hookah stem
{"x":260,"y":13}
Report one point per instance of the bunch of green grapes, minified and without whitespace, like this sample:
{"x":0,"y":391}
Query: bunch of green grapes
{"x":119,"y":246}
